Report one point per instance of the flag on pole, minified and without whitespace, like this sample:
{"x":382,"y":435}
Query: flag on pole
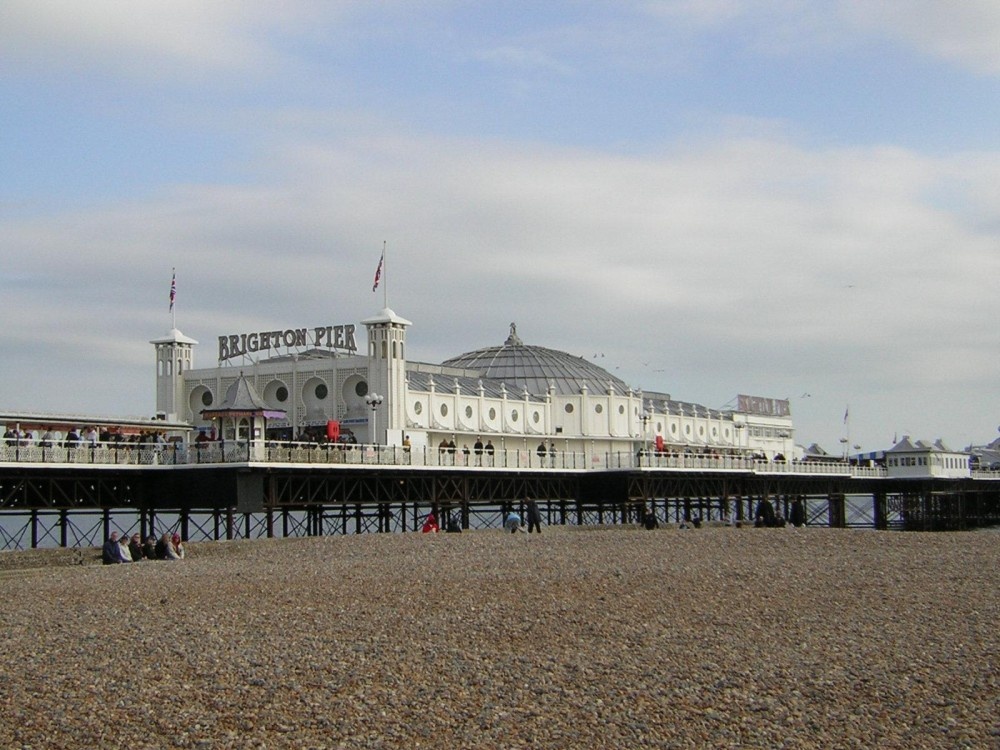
{"x":173,"y":290}
{"x":846,"y":412}
{"x":378,"y":271}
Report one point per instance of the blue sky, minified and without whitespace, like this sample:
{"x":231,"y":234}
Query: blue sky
{"x":775,"y":197}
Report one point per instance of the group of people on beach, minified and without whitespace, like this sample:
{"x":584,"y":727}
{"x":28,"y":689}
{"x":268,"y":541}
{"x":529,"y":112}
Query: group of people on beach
{"x":514,"y":523}
{"x":512,"y":520}
{"x":121,"y":548}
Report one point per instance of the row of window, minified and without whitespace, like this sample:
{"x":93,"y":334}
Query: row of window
{"x":948,"y":462}
{"x":281,"y":393}
{"x":418,"y":408}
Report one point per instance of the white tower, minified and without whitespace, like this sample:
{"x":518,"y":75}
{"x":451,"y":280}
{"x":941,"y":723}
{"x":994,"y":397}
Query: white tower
{"x":174,"y":357}
{"x":387,"y":372}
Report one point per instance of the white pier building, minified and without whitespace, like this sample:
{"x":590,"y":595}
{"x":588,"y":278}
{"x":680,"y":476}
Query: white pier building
{"x":513,"y":396}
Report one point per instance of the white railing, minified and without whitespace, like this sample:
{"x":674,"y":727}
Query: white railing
{"x":225,"y":452}
{"x":985,"y":474}
{"x":116,"y":453}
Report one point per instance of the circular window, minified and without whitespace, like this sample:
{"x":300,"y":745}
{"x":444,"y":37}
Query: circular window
{"x":468,"y":412}
{"x":361,"y":388}
{"x":687,"y":429}
{"x":321,"y":391}
{"x":493,"y":413}
{"x":715,"y":432}
{"x":569,"y":408}
{"x":701,"y":430}
{"x":418,"y":407}
{"x":206,"y":398}
{"x":659,"y":428}
{"x":673,"y":428}
{"x":621,"y":409}
{"x":599,"y":408}
{"x":513,"y":416}
{"x":444,"y":410}
{"x":281,"y":394}
{"x":535,"y":417}
{"x":726,"y":433}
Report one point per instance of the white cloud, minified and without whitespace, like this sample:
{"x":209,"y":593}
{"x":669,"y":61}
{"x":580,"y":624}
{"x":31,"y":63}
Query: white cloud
{"x":740,"y":265}
{"x":144,"y":37}
{"x":523,"y":58}
{"x":965,"y":33}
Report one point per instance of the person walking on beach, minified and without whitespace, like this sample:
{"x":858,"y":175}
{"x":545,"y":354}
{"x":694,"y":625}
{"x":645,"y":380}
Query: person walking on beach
{"x":534,"y":516}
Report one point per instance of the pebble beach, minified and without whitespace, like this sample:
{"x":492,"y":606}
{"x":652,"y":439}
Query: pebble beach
{"x":585,"y":637}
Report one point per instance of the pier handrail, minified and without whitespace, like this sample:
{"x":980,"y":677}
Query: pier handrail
{"x":125,"y":453}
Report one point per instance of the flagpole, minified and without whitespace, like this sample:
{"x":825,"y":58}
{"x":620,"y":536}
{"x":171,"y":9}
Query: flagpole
{"x":173,"y":297}
{"x":847,"y":436}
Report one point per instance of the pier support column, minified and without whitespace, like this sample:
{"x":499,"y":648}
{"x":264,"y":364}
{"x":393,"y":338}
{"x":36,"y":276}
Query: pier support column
{"x":837,"y":511}
{"x":879,"y":511}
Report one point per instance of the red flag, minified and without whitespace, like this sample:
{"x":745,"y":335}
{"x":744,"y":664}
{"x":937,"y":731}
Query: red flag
{"x":173,"y":290}
{"x":378,"y":271}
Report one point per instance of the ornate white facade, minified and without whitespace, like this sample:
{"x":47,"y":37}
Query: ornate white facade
{"x":540,"y":396}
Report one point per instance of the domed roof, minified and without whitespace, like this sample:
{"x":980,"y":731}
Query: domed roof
{"x":534,"y":368}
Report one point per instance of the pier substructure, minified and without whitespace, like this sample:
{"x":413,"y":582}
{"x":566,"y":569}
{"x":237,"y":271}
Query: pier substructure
{"x":76,"y":506}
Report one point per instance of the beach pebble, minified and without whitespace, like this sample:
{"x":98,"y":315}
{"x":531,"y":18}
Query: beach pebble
{"x":611,"y":638}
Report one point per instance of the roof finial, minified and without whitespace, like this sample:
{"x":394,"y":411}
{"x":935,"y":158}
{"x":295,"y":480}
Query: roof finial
{"x":512,"y":339}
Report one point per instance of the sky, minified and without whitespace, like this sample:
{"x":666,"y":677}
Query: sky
{"x":706,"y":197}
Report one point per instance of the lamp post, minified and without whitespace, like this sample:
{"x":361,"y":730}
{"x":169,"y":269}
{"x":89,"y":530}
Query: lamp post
{"x":646,"y":416}
{"x":373,"y":400}
{"x":739,"y":427}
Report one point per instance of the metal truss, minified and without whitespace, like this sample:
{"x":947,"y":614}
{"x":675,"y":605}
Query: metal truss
{"x":79,"y":506}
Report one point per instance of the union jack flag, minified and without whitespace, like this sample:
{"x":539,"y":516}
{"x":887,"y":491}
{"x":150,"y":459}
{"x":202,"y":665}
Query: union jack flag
{"x":173,"y":290}
{"x":378,"y":271}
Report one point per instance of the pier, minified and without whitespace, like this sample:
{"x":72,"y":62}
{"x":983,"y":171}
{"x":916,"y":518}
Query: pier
{"x":74,"y":497}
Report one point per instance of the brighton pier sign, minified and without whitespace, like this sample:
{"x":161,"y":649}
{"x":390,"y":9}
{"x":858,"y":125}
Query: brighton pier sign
{"x":242,"y":344}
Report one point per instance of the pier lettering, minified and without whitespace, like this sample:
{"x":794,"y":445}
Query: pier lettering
{"x":333,"y":337}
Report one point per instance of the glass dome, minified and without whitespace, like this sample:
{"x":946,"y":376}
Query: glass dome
{"x":533,"y":368}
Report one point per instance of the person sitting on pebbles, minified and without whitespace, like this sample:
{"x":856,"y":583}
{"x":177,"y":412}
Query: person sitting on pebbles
{"x":430,"y":525}
{"x":178,"y":546}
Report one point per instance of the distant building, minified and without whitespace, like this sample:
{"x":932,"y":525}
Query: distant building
{"x":921,"y":460}
{"x":985,"y":457}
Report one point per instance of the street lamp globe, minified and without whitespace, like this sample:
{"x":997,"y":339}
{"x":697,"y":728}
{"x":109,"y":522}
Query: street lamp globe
{"x":373,"y":400}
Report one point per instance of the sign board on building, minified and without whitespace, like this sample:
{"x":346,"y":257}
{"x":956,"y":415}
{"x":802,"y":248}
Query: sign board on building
{"x":240,"y":344}
{"x":765,"y":407}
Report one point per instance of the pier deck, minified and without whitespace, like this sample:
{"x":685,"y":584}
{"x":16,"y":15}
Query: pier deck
{"x":75,"y":496}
